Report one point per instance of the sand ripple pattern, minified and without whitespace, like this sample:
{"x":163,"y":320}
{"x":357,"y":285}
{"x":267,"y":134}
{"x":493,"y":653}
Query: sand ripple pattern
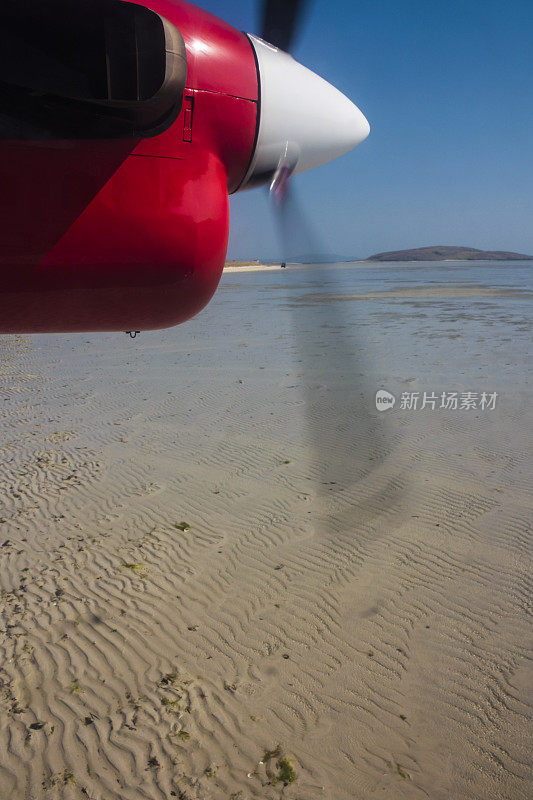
{"x":386,"y":653}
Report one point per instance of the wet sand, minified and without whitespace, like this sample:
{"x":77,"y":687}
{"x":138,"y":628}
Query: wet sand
{"x":194,"y":586}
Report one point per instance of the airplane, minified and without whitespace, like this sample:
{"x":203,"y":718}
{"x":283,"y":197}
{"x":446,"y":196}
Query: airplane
{"x":124,"y":128}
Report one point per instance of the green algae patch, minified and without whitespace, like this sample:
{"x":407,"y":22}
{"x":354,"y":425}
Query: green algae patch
{"x":286,"y":773}
{"x":168,"y":703}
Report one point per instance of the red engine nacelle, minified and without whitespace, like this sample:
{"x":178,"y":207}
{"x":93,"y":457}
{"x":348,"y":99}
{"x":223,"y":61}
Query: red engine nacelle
{"x":129,"y":232}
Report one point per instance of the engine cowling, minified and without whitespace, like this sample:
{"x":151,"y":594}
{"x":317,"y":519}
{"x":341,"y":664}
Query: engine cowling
{"x":127,"y":227}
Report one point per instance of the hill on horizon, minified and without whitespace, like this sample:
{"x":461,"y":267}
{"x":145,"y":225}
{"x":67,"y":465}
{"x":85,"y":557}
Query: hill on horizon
{"x":451,"y":253}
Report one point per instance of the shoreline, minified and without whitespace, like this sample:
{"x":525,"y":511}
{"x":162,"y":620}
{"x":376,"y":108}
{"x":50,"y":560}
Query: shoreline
{"x":251,"y":267}
{"x":258,"y":267}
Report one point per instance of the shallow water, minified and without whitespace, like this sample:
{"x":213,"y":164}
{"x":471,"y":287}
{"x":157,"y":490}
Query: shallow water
{"x":363,"y":276}
{"x":397,"y":332}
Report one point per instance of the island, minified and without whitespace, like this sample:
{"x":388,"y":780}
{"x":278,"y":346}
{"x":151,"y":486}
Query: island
{"x":448,"y":253}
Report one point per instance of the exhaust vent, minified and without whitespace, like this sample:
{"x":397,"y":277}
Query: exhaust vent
{"x":79,"y":69}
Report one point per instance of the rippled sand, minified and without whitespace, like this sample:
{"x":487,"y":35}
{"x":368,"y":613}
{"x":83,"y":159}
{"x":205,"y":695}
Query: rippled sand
{"x":371,"y":627}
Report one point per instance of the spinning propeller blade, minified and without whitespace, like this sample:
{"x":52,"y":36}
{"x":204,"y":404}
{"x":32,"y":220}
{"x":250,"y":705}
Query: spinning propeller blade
{"x":281,"y":20}
{"x":345,"y":437}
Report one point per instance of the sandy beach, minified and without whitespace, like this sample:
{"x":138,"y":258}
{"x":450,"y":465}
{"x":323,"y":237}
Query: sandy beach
{"x":251,"y":267}
{"x":211,"y":570}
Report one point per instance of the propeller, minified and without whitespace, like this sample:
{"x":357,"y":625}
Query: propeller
{"x":281,"y":20}
{"x":304,"y":121}
{"x":279,"y":186}
{"x":346,"y":437}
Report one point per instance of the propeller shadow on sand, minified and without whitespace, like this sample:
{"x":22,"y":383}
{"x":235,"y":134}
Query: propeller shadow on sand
{"x":352,"y":459}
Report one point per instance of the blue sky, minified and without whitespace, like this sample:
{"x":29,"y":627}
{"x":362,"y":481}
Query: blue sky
{"x":448,"y":90}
